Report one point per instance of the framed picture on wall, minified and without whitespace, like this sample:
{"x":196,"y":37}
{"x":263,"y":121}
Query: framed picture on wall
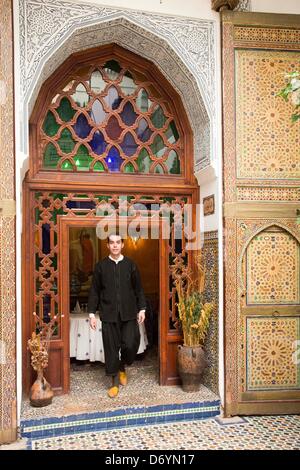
{"x":209,"y":205}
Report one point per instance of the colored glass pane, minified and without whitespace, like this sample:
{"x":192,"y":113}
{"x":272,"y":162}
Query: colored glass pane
{"x":113,"y":128}
{"x":80,"y":97}
{"x":142,"y":101}
{"x":112,"y":99}
{"x":112,"y":69}
{"x":127,"y":84}
{"x":157,"y":117}
{"x":97,"y":112}
{"x":129,"y":168}
{"x":97,"y":83}
{"x":143,"y":131}
{"x":172,"y":133}
{"x":65,"y":110}
{"x":128,"y":115}
{"x":66,"y":142}
{"x":82,"y":159}
{"x":113,"y":160}
{"x":144,"y":161}
{"x":99,"y":166}
{"x":158,"y":147}
{"x":159,"y":169}
{"x":50,"y":126}
{"x":82,"y":127}
{"x":46,"y":239}
{"x":98,"y":144}
{"x":173,"y":163}
{"x":51,"y":157}
{"x":129,"y":145}
{"x":67,"y":166}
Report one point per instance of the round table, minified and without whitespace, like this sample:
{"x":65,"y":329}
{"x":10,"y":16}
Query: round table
{"x":87,"y":344}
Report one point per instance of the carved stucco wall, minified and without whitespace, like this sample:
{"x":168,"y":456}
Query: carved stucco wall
{"x":184,"y":50}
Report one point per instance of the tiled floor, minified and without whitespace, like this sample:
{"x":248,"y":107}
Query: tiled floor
{"x":89,"y":391}
{"x":277,"y":432}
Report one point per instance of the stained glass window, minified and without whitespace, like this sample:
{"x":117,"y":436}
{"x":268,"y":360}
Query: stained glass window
{"x":110,"y":119}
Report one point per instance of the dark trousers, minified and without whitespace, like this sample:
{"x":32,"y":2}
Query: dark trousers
{"x":124,"y":337}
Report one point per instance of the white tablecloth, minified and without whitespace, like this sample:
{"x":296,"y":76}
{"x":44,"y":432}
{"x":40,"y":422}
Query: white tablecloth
{"x":87,"y":344}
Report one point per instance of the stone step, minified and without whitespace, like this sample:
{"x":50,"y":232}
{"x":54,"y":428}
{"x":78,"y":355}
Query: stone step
{"x":118,"y":418}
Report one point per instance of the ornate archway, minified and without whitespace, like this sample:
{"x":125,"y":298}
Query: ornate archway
{"x":106,"y":124}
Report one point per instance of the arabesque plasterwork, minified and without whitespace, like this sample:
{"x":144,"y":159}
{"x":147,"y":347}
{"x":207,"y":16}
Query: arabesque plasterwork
{"x":184,"y":49}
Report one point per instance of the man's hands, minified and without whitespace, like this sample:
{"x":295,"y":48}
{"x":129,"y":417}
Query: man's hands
{"x":93,"y":323}
{"x":141,"y":316}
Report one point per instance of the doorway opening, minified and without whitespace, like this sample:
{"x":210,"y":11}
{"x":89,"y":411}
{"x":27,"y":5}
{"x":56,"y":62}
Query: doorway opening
{"x":87,"y":357}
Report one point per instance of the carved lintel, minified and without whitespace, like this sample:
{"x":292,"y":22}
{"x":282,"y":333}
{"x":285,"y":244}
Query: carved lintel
{"x":220,"y":5}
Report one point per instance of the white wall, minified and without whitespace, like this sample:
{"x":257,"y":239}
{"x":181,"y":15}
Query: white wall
{"x":276,"y":6}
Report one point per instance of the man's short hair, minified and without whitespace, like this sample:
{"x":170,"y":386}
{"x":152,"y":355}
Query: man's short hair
{"x":116,"y":235}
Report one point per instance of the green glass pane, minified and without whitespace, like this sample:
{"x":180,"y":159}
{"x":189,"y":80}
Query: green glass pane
{"x":37,"y":216}
{"x":65,"y":110}
{"x":159,"y":169}
{"x":51,"y":158}
{"x":142,"y":101}
{"x":98,"y":166}
{"x":173,"y":163}
{"x":58,"y":196}
{"x":66,"y":142}
{"x":103,"y":198}
{"x":129,"y":168}
{"x":144,"y":161}
{"x":112,"y":69}
{"x":67,"y":166}
{"x":172,"y":133}
{"x":50,"y":126}
{"x":158,"y":147}
{"x":158,"y":118}
{"x":82,"y":159}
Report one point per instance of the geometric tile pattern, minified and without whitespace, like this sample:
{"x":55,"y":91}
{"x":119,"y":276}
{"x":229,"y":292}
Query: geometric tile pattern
{"x":89,"y":384}
{"x":120,"y":418}
{"x":270,"y":353}
{"x":268,"y":194}
{"x":211,"y":293}
{"x":267,"y":142}
{"x":261,"y":163}
{"x":255,"y":433}
{"x":273,"y":277}
{"x":7,"y":231}
{"x":265,"y":35}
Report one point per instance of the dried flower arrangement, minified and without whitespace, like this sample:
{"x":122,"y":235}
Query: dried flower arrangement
{"x":194,"y":312}
{"x":41,"y":393}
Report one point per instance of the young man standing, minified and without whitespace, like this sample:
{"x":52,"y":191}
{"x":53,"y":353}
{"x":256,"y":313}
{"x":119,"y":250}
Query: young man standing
{"x":117,"y":292}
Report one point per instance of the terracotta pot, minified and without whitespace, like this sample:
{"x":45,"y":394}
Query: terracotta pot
{"x":41,"y":393}
{"x":191,"y":364}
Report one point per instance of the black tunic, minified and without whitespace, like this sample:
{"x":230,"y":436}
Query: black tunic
{"x":116,"y":288}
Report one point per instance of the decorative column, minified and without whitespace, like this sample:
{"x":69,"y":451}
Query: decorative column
{"x":8,"y":410}
{"x":220,"y":5}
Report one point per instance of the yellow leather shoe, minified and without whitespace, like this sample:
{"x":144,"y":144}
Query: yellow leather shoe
{"x":123,"y":378}
{"x":113,"y":392}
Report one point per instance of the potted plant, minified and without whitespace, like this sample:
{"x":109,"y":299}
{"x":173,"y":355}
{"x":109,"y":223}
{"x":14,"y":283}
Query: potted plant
{"x":194,"y":316}
{"x":41,"y":393}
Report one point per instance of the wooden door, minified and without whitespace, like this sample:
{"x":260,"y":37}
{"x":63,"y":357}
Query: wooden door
{"x":167,"y":362}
